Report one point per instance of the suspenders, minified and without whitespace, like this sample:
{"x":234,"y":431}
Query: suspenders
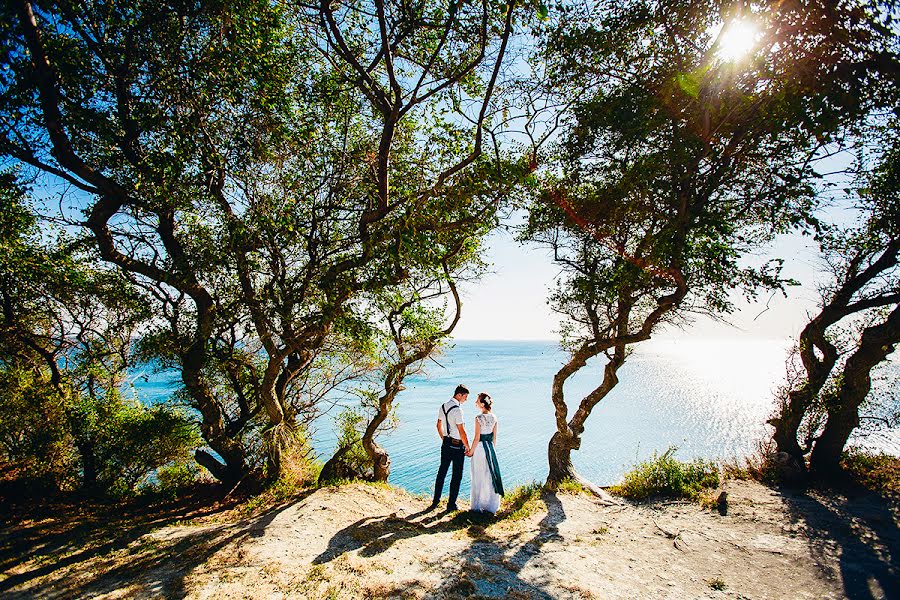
{"x":453,"y":440}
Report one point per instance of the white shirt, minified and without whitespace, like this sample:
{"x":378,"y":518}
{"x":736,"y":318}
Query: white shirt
{"x":455,"y":416}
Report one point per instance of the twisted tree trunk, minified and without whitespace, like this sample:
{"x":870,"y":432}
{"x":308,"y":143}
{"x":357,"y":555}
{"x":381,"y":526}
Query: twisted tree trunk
{"x":876,"y":343}
{"x":568,"y":433}
{"x":787,"y":423}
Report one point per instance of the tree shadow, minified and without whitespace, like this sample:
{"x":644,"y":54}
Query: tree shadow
{"x":485,"y":567}
{"x":116,"y":553}
{"x":862,"y":527}
{"x":486,"y":570}
{"x":374,"y":535}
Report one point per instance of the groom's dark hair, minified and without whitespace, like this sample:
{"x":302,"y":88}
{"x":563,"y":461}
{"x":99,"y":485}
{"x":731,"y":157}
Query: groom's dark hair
{"x":461,"y":389}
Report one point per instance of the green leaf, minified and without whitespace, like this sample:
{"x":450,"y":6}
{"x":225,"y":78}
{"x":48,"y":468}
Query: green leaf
{"x":688,"y":84}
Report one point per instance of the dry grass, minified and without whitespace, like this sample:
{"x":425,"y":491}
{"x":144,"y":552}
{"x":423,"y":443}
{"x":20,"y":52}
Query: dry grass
{"x":878,"y":472}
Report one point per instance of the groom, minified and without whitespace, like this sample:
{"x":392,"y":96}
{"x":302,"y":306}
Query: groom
{"x":454,"y":447}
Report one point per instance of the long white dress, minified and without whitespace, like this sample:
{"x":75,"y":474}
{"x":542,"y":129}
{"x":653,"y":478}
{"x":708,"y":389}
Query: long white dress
{"x":484,"y":498}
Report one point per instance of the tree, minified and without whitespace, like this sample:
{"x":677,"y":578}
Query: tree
{"x":858,"y":324}
{"x":119,"y":101}
{"x":67,"y":328}
{"x":412,"y":330}
{"x":679,"y":160}
{"x":256,"y":169}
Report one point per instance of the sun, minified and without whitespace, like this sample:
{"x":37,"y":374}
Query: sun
{"x":737,"y":40}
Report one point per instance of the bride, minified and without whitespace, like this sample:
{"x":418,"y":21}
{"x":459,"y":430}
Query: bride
{"x":487,"y":486}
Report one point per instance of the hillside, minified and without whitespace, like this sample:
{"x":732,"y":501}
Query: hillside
{"x":365,"y":541}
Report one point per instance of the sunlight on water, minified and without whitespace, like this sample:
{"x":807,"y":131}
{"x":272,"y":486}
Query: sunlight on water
{"x":709,"y":398}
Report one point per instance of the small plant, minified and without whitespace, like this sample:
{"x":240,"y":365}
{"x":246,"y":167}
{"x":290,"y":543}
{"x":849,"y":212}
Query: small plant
{"x":521,"y":502}
{"x":717,"y":584}
{"x":570,"y":486}
{"x":759,"y":466}
{"x":666,"y":476}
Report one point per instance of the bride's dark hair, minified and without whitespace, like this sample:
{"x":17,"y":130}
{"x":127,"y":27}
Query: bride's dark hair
{"x":485,"y":400}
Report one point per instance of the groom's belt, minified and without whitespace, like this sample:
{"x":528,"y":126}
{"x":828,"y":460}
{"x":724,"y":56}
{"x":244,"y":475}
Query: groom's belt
{"x":453,"y":441}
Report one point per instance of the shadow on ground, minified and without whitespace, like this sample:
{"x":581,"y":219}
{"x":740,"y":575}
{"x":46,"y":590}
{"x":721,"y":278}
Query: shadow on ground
{"x":861,"y":528}
{"x":96,"y":551}
{"x":487,"y":567}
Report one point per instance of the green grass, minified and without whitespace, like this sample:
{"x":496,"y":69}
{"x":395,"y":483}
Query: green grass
{"x":570,"y":486}
{"x":667,"y":477}
{"x":521,"y":502}
{"x":378,"y":484}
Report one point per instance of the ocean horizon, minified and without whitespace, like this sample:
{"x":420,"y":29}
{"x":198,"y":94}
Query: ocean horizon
{"x":708,"y":398}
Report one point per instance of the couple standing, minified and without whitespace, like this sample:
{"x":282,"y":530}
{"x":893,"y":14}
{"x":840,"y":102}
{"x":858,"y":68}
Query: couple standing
{"x":487,"y":486}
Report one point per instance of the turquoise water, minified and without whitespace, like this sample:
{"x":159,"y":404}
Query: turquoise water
{"x":708,"y":398}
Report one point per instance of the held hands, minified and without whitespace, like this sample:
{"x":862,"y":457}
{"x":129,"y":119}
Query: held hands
{"x":470,"y":452}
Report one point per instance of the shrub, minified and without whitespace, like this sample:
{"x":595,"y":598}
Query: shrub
{"x":34,"y":433}
{"x":878,"y":472}
{"x":665,"y":476}
{"x":175,"y":478}
{"x":350,"y":460}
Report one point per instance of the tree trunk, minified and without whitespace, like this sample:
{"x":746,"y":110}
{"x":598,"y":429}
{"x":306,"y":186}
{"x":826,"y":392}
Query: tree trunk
{"x":559,"y":455}
{"x":88,"y":465}
{"x":875,"y":344}
{"x":381,"y":462}
{"x":787,"y":424}
{"x":212,"y":427}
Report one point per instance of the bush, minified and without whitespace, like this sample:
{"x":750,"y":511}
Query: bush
{"x":878,"y":472}
{"x":174,"y":479}
{"x":350,"y":460}
{"x":665,"y":476}
{"x":34,"y":433}
{"x":129,"y":441}
{"x":107,"y":443}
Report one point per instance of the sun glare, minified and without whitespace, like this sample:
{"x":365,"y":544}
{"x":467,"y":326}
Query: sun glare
{"x":737,"y":40}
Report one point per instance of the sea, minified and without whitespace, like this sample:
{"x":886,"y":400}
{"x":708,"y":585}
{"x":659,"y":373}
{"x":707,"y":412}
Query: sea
{"x":703,"y":398}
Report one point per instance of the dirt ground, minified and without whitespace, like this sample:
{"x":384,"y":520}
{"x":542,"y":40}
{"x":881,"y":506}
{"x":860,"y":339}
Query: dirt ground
{"x":365,"y":541}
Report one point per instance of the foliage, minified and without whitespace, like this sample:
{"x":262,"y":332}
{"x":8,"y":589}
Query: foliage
{"x":665,"y":476}
{"x":676,"y":163}
{"x":52,"y":437}
{"x":34,"y":432}
{"x":130,"y":441}
{"x":173,"y":479}
{"x":257,"y":183}
{"x":355,"y":462}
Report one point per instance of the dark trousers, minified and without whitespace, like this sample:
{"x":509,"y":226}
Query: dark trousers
{"x":455,"y":455}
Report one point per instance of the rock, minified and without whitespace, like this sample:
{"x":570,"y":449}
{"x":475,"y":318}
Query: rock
{"x":789,"y":470}
{"x":722,"y":503}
